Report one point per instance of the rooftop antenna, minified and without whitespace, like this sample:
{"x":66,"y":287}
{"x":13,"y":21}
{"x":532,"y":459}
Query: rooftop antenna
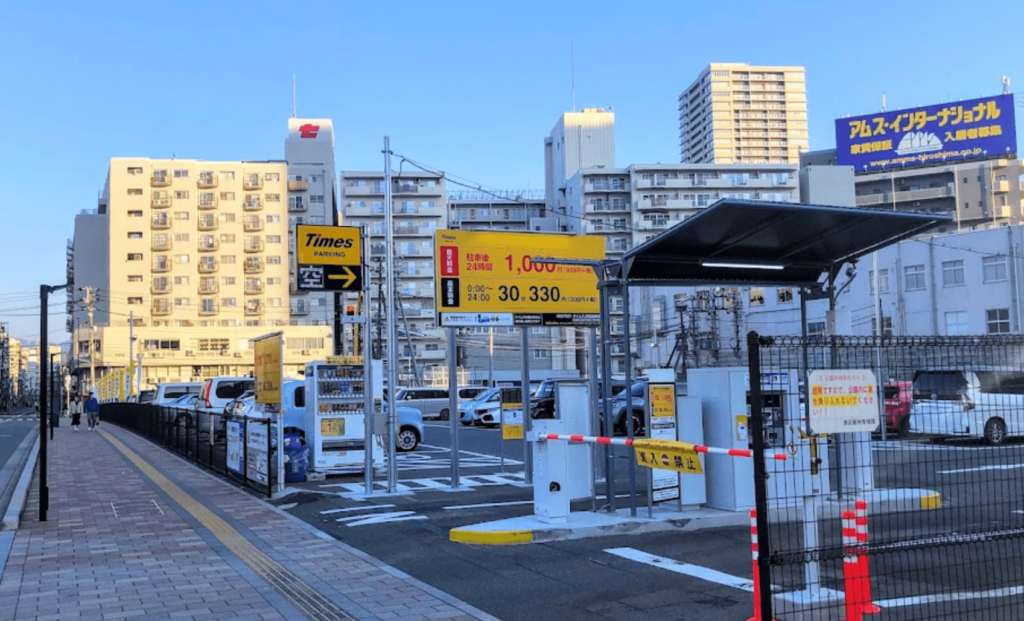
{"x":1006,"y":84}
{"x":572,"y":75}
{"x":293,"y":95}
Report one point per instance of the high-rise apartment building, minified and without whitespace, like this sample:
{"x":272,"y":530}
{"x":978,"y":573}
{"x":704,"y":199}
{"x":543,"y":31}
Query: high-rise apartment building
{"x":735,"y":113}
{"x":186,"y":261}
{"x":420,"y":207}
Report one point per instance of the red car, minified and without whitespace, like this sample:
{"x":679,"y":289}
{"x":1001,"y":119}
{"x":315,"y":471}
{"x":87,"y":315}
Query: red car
{"x":898,"y":399}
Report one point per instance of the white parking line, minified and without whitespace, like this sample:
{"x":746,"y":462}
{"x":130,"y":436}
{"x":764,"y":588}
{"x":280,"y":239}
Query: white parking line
{"x":333,"y":511}
{"x":984,"y":468}
{"x":696,"y":571}
{"x":939,"y":598}
{"x":489,"y":504}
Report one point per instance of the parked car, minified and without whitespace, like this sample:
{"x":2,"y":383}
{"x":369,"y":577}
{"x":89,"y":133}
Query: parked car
{"x":471,"y":411}
{"x":634,"y":403}
{"x":434,"y":401}
{"x":172,"y":391}
{"x":293,"y":408}
{"x":980,"y":402}
{"x":214,"y":396}
{"x":898,"y":398}
{"x":147,"y":396}
{"x":187,"y":401}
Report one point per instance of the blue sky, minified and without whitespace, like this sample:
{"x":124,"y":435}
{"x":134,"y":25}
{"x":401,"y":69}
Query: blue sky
{"x":468,"y":87}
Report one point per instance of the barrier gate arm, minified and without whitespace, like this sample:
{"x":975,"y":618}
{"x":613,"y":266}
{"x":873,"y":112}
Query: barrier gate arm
{"x":699,"y":448}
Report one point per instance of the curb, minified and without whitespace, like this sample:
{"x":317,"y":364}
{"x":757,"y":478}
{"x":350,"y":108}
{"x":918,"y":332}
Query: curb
{"x":491,"y":538}
{"x":12,"y":517}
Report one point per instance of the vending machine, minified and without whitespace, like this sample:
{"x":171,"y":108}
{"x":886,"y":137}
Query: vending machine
{"x":340,"y":396}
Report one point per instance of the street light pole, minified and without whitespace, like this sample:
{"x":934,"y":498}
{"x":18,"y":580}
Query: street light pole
{"x":44,"y":346}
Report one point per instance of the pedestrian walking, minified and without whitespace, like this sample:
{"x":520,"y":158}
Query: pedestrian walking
{"x":76,"y":411}
{"x":91,"y":407}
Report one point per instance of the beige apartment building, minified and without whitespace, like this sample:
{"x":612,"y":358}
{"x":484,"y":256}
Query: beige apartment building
{"x":735,"y":113}
{"x":194,"y":255}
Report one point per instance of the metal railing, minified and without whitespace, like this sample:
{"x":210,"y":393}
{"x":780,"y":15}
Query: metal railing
{"x":187,"y":433}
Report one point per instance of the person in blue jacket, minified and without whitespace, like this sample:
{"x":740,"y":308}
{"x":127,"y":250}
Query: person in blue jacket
{"x":92,"y":410}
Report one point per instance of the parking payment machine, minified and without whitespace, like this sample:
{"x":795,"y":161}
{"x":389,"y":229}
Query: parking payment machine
{"x":725,"y":401}
{"x":336,"y":414}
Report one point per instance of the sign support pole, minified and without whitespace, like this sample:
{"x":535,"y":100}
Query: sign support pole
{"x":390,"y":305}
{"x":453,"y":402}
{"x":368,"y":405}
{"x":527,"y":426}
{"x":594,"y":400}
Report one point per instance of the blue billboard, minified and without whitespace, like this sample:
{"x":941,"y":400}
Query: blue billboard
{"x":972,"y":129}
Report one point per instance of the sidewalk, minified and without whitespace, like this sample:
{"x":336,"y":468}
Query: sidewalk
{"x":133,"y":532}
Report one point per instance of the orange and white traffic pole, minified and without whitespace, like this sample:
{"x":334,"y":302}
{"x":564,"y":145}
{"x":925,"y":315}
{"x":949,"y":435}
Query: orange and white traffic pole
{"x":851,"y":567}
{"x":867,"y":606}
{"x":757,"y":570}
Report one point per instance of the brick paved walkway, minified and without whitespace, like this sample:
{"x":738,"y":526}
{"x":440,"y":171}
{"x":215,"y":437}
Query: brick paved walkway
{"x":156,"y":538}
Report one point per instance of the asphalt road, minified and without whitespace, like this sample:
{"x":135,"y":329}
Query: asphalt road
{"x":15,"y":427}
{"x":670,"y":575}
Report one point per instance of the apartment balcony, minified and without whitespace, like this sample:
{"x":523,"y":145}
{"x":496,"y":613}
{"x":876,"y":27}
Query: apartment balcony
{"x":208,"y":224}
{"x":254,"y":245}
{"x":205,"y":310}
{"x":403,"y":187}
{"x":160,"y":223}
{"x":208,"y":267}
{"x":888,"y":198}
{"x":253,"y":307}
{"x":606,"y":207}
{"x":606,"y":187}
{"x":251,"y":225}
{"x":295,"y":185}
{"x":160,"y":202}
{"x":378,"y":249}
{"x":160,"y":181}
{"x":207,"y":181}
{"x":209,"y":288}
{"x":160,"y":288}
{"x":253,"y":266}
{"x":254,"y":288}
{"x":252,"y":181}
{"x":417,"y":250}
{"x":410,"y":229}
{"x":655,"y":225}
{"x":208,"y":202}
{"x":161,"y":245}
{"x":300,"y":309}
{"x":161,"y":266}
{"x":160,"y":307}
{"x":210,"y":245}
{"x":296,"y":204}
{"x":252,"y":203}
{"x":1001,"y":186}
{"x":364,"y":190}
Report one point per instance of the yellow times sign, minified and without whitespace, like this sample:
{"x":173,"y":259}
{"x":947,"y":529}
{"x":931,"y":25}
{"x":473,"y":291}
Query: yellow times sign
{"x":491,"y":272}
{"x":668,"y":455}
{"x":328,"y":245}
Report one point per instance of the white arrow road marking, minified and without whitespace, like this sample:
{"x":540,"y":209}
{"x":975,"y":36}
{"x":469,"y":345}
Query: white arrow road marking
{"x":687,"y":569}
{"x":381,"y":518}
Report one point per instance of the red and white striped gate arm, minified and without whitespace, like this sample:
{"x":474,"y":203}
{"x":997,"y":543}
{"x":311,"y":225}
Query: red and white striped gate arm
{"x":627,"y":442}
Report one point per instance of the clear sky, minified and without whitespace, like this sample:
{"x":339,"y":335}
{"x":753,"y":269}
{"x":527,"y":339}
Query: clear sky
{"x":468,"y":87}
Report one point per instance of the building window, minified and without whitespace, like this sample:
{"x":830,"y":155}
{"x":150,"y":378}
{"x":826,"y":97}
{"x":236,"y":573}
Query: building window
{"x":274,"y":302}
{"x":181,"y":302}
{"x":272,"y":198}
{"x":540,"y":353}
{"x":785,"y":296}
{"x":998,"y":320}
{"x":883,"y":281}
{"x":816,"y":329}
{"x":228,"y":259}
{"x":956,"y":323}
{"x":316,"y":198}
{"x":228,"y":280}
{"x":134,"y":256}
{"x":227,"y":238}
{"x":227,"y":217}
{"x":227,"y":196}
{"x":886,"y":326}
{"x":181,"y":280}
{"x":181,"y":259}
{"x":952,"y":273}
{"x":181,"y":194}
{"x":271,"y":176}
{"x":135,"y":214}
{"x":994,"y":268}
{"x":208,"y":305}
{"x":134,"y":170}
{"x":135,"y":300}
{"x":135,"y":278}
{"x":273,"y":260}
{"x":181,"y":237}
{"x":181,"y":174}
{"x":227,"y":175}
{"x":134,"y":191}
{"x":273,"y":239}
{"x":229,"y":302}
{"x":757,"y":296}
{"x":181,"y":215}
{"x":914,"y":275}
{"x":134,"y":234}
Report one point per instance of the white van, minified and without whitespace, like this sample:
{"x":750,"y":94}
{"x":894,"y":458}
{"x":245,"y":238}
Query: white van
{"x":433,"y":401}
{"x":980,"y":402}
{"x":172,"y":391}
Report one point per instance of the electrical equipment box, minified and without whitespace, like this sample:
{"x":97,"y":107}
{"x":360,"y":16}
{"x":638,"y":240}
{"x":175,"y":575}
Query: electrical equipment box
{"x":337,"y":414}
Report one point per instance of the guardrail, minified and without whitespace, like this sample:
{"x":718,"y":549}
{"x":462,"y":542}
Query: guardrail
{"x":188,"y":433}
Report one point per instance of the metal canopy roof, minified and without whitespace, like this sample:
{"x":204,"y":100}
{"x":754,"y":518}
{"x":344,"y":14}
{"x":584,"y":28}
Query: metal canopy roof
{"x":758,"y":242}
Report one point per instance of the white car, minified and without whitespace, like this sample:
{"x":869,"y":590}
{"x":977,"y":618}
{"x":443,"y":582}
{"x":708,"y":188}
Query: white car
{"x":974,"y":402}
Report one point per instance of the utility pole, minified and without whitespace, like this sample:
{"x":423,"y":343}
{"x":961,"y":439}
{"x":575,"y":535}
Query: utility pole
{"x":131,"y":348}
{"x":90,"y":308}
